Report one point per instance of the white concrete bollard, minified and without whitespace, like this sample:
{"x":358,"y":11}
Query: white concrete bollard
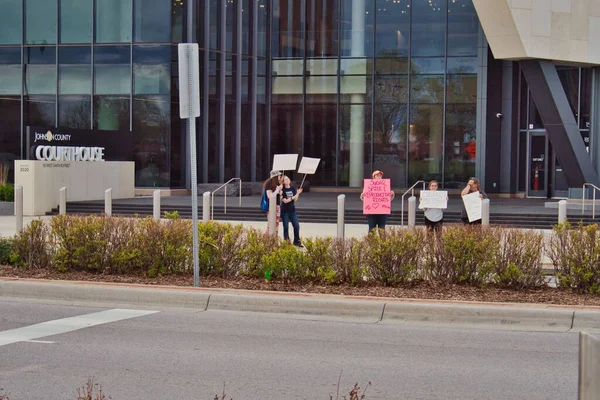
{"x":19,"y":208}
{"x":341,"y":224}
{"x":62,"y":205}
{"x":156,"y":205}
{"x":206,"y":207}
{"x":273,"y":215}
{"x":412,"y":211}
{"x":108,"y":202}
{"x":485,"y":212}
{"x":562,"y":211}
{"x":589,"y":366}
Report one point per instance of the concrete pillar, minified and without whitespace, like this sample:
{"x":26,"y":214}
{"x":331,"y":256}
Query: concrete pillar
{"x":156,"y":205}
{"x":485,"y":212}
{"x":357,"y":114}
{"x":412,"y":211}
{"x":206,"y":207}
{"x":589,"y":366}
{"x":341,"y":216}
{"x":562,"y":211}
{"x":19,"y":208}
{"x":62,"y":205}
{"x":108,"y":202}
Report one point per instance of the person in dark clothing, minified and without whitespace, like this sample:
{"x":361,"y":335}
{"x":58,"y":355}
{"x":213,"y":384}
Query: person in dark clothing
{"x":472,"y":186}
{"x":289,"y":196}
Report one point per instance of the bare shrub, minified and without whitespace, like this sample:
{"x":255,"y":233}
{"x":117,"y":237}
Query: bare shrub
{"x":32,"y":247}
{"x":519,"y":263}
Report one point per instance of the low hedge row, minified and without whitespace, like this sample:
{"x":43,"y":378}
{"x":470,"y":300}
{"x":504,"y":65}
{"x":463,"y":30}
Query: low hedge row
{"x":7,"y":192}
{"x":461,"y":254}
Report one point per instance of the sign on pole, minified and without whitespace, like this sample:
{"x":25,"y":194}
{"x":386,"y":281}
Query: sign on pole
{"x":308,"y":165}
{"x":433,"y":199}
{"x":285,"y":162}
{"x":472,"y":203}
{"x":377,"y":196}
{"x":189,"y":108}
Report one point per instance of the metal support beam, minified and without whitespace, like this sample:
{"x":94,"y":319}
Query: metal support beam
{"x":561,"y":126}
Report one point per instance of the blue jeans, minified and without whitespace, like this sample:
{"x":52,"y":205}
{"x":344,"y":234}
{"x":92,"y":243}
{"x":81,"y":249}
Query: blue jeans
{"x":292,"y":217}
{"x":376,"y":221}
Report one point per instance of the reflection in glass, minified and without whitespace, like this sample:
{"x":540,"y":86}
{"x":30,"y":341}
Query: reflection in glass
{"x":151,"y":69}
{"x":74,"y":70}
{"x":461,"y":149}
{"x":391,"y":65}
{"x":463,"y":28}
{"x":425,"y":142}
{"x":288,"y":29}
{"x":112,"y":71}
{"x":389,"y":141}
{"x":149,"y":20}
{"x":355,"y":89}
{"x":74,"y":112}
{"x":461,"y":88}
{"x":39,"y":110}
{"x":321,"y":89}
{"x":392,"y":33}
{"x":287,"y":90}
{"x":152,"y":145}
{"x":286,"y":128}
{"x":462,"y":65}
{"x":111,"y":113}
{"x":40,"y":79}
{"x":113,"y":21}
{"x":355,"y":140}
{"x":391,"y":89}
{"x":428,"y":28}
{"x":321,"y":30}
{"x":428,"y":65}
{"x":40,"y":21}
{"x":75,"y":21}
{"x":11,"y":21}
{"x":320,"y":138}
{"x":427,"y":88}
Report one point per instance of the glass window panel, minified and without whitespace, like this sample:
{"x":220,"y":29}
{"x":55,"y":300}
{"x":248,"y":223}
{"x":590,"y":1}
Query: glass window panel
{"x":586,"y":98}
{"x":10,"y":71}
{"x":428,"y":28}
{"x":322,"y":67}
{"x":463,"y":28}
{"x":321,"y":89}
{"x":10,"y":79}
{"x":151,"y":69}
{"x":460,"y":149}
{"x":391,"y":65}
{"x":150,"y":23}
{"x":462,"y":65}
{"x":152,"y":140}
{"x":429,"y":65}
{"x":75,"y":79}
{"x":355,"y":89}
{"x":10,"y":134}
{"x":113,"y":21}
{"x":76,"y":21}
{"x":425,"y":142}
{"x":392,"y":33}
{"x":356,"y":66}
{"x":40,"y":79}
{"x":177,"y":33}
{"x":427,"y":89}
{"x":261,"y":34}
{"x":288,"y":24}
{"x":288,"y":67}
{"x":322,"y":28}
{"x":462,"y":89}
{"x":74,"y":112}
{"x":112,"y":70}
{"x":319,"y":140}
{"x":111,"y":113}
{"x":355,"y":144}
{"x":287,"y":90}
{"x":40,"y":21}
{"x":75,"y":54}
{"x":389,"y":137}
{"x":11,"y":19}
{"x":40,"y":110}
{"x":391,"y":89}
{"x":357,"y":28}
{"x":286,"y":128}
{"x":39,"y":55}
{"x":112,"y":54}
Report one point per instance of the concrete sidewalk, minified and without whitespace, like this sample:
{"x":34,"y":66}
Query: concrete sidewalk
{"x":503,"y":316}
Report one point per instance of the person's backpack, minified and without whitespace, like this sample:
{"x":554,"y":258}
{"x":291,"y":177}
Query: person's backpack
{"x":264,"y":202}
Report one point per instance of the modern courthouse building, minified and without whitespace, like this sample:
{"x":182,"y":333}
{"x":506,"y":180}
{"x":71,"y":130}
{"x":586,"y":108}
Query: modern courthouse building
{"x":504,"y":90}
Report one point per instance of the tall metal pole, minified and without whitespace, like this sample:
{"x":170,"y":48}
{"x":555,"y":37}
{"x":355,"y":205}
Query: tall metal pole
{"x":194,"y":170}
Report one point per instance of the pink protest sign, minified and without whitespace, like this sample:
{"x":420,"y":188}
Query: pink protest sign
{"x":377,"y":197}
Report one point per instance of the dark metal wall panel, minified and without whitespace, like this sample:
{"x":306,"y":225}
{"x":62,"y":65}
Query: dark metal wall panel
{"x":493,"y":125}
{"x":561,"y":127}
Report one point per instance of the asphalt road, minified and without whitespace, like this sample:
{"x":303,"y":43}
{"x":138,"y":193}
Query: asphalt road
{"x":183,"y":354}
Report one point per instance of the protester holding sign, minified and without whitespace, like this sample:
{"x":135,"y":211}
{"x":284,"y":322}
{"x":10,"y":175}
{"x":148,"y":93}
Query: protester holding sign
{"x":289,"y":196}
{"x":377,"y":197}
{"x":270,"y":186}
{"x":472,"y":187}
{"x":432,"y":207}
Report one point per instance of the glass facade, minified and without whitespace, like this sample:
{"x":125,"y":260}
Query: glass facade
{"x":95,"y":64}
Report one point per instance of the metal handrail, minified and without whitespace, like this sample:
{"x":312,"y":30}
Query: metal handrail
{"x":212,"y":195}
{"x":594,"y":199}
{"x":412,"y":188}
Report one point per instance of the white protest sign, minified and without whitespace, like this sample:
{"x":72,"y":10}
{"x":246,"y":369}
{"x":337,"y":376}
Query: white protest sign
{"x":472,"y":203}
{"x":285,"y":162}
{"x":433,"y":199}
{"x":308,"y":165}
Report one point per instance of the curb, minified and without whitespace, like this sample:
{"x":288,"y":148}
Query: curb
{"x":365,"y":309}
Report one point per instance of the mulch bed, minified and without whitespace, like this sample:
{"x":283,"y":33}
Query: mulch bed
{"x":421,"y":290}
